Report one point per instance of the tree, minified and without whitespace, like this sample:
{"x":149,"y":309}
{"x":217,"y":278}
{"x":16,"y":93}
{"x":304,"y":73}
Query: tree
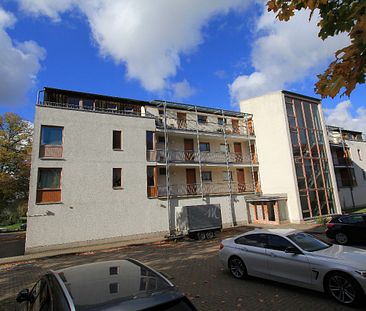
{"x":336,"y":16}
{"x":15,"y":153}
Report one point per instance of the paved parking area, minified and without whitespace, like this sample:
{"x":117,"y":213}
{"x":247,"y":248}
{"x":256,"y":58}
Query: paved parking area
{"x":12,"y":244}
{"x":194,"y":267}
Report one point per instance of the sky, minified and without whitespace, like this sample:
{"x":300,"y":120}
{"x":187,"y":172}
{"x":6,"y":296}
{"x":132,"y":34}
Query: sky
{"x":209,"y":52}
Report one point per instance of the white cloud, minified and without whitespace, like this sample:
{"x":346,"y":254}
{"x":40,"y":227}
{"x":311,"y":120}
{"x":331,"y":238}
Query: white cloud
{"x":19,"y":63}
{"x":182,"y":90}
{"x":149,"y":37}
{"x":283,"y":53}
{"x":341,"y":116}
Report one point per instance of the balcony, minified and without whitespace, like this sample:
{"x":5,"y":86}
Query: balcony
{"x":186,"y":190}
{"x":238,"y":128}
{"x":50,"y":151}
{"x":179,"y":156}
{"x":342,"y":162}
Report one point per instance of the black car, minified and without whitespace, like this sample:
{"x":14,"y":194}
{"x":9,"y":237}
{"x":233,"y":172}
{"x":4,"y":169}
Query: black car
{"x":347,"y":228}
{"x":109,"y":285}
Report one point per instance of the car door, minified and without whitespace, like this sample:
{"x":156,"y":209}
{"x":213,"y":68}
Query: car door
{"x":251,"y":248}
{"x":287,"y":267}
{"x":353,"y":226}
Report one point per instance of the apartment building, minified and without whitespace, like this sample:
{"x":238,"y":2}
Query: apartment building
{"x":106,"y":169}
{"x":348,"y":150}
{"x":295,"y":155}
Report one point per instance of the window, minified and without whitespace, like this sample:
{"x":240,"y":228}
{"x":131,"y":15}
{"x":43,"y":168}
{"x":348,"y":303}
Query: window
{"x":227,"y":176}
{"x":161,"y":139}
{"x":278,"y":243}
{"x":359,"y":154}
{"x":73,"y":102}
{"x":49,"y":185}
{"x":206,"y":176}
{"x":113,"y":288}
{"x":150,"y":176}
{"x":201,"y":119}
{"x":258,"y":240}
{"x":117,"y":140}
{"x":51,"y":142}
{"x":51,"y":135}
{"x":149,"y":140}
{"x":205,"y":147}
{"x":113,"y":270}
{"x":356,"y":219}
{"x":40,"y":296}
{"x":221,"y":121}
{"x":162,"y":171}
{"x":307,"y":242}
{"x":117,"y":178}
{"x":364,"y":174}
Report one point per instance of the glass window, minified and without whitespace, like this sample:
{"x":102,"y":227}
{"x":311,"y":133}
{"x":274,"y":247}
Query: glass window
{"x":290,"y":111}
{"x":201,"y":119}
{"x":304,"y":205}
{"x":150,"y":176}
{"x":117,"y":178}
{"x":221,"y":121}
{"x":149,"y":140}
{"x":49,"y":178}
{"x":73,"y":102}
{"x":51,"y":135}
{"x":307,"y":242}
{"x":161,"y":139}
{"x":356,"y":219}
{"x":258,"y":240}
{"x":204,"y":147}
{"x":308,"y":118}
{"x":278,"y":243}
{"x":206,"y":176}
{"x":359,"y":154}
{"x":299,"y":116}
{"x":228,"y":176}
{"x":314,"y":108}
{"x":117,"y":140}
{"x":314,"y":203}
{"x":162,"y":171}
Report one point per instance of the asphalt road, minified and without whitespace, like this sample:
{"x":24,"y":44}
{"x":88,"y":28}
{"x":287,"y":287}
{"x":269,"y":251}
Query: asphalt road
{"x":194,"y":267}
{"x":12,"y":244}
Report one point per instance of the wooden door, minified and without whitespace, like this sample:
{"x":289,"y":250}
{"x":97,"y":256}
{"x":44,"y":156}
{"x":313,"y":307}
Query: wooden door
{"x":235,"y":125}
{"x":241,"y":180}
{"x":188,"y":150}
{"x":182,"y":120}
{"x":191,"y":181}
{"x":238,"y":152}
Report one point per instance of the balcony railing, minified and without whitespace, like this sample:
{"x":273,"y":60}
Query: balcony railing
{"x":113,"y":109}
{"x":181,"y":190}
{"x":243,"y":127}
{"x":179,"y":156}
{"x":50,"y":151}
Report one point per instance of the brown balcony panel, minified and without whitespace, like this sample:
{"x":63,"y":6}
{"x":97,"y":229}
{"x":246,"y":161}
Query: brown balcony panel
{"x":50,"y":151}
{"x":152,"y":191}
{"x":48,"y":196}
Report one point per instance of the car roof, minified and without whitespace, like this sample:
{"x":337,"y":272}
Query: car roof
{"x":282,"y":231}
{"x":126,"y":284}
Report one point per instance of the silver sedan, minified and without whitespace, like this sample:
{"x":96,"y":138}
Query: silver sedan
{"x":297,"y":258}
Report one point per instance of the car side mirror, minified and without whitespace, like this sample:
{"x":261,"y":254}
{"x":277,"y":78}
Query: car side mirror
{"x":292,"y":250}
{"x":23,"y":295}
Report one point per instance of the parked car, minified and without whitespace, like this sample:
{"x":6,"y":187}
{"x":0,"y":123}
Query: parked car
{"x":298,"y":258}
{"x":110,"y":285}
{"x":347,"y":228}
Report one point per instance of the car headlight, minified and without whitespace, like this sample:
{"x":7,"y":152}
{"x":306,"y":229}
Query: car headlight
{"x":362,"y":273}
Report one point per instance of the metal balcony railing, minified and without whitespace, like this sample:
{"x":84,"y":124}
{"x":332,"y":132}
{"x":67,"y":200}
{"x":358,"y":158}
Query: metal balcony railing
{"x":180,"y":156}
{"x":113,"y":109}
{"x":242,"y":127}
{"x":209,"y":188}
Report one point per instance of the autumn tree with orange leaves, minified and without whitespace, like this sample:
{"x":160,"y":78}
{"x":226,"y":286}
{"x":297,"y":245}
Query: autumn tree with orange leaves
{"x":336,"y":16}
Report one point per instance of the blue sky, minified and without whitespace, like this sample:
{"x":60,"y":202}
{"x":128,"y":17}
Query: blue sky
{"x":210,"y":53}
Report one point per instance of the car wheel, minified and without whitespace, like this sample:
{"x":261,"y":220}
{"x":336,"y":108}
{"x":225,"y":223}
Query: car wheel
{"x":201,"y":236}
{"x":343,"y":288}
{"x":341,"y":238}
{"x":237,"y":268}
{"x":210,"y":235}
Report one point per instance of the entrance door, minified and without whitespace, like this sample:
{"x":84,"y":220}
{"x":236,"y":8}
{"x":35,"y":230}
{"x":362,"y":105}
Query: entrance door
{"x":188,"y":150}
{"x":241,"y":180}
{"x":235,"y":124}
{"x":182,"y":120}
{"x":191,"y":181}
{"x":238,"y":152}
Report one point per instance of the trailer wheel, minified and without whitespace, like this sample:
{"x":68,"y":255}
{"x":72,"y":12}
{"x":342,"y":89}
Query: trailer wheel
{"x":201,"y":235}
{"x":210,"y":235}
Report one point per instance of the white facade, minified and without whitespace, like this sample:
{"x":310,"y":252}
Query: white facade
{"x":90,"y":210}
{"x":277,"y":168}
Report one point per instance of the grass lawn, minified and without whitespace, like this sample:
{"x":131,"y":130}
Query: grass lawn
{"x":357,"y":210}
{"x":14,"y":227}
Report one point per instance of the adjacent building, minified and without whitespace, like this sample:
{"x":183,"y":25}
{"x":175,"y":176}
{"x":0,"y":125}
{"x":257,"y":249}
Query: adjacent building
{"x":295,"y":156}
{"x":348,"y":150}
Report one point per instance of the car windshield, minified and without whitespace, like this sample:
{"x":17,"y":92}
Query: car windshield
{"x":307,"y":242}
